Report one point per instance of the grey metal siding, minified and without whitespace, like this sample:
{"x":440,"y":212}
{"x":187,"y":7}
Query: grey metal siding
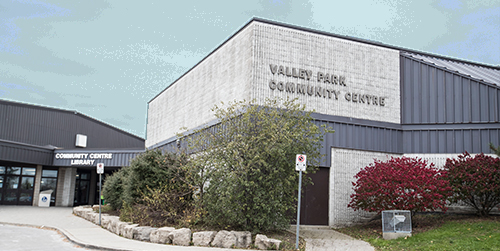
{"x":20,"y":153}
{"x":47,"y":126}
{"x":435,"y":95}
{"x":450,"y":140}
{"x":120,"y":158}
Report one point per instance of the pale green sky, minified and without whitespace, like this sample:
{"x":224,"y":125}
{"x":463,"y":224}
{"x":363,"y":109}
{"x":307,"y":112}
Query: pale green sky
{"x":107,"y":59}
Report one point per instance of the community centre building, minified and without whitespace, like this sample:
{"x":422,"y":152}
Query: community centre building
{"x":381,"y":100}
{"x":44,"y":149}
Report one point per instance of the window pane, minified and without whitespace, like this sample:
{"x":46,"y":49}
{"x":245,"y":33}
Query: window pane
{"x":0,"y":197}
{"x":25,"y":197}
{"x":12,"y":182}
{"x":13,"y":170}
{"x":27,"y":183}
{"x":10,"y":197}
{"x":2,"y":169}
{"x":49,"y":173}
{"x":1,"y":183}
{"x":84,"y":176}
{"x":29,"y":171}
{"x":48,"y":183}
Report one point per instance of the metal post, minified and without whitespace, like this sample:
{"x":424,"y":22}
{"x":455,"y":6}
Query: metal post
{"x":298,"y":213}
{"x":100,"y":202}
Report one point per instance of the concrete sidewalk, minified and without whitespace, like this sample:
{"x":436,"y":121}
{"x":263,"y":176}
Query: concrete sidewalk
{"x":323,"y":238}
{"x":80,"y":231}
{"x":89,"y":235}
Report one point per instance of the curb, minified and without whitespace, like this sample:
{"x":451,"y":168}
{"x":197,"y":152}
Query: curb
{"x":69,"y":237}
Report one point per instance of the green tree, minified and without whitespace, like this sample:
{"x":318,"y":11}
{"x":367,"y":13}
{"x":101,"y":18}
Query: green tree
{"x":248,"y":159}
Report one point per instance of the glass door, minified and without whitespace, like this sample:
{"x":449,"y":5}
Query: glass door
{"x":10,"y":190}
{"x":16,"y":185}
{"x":49,"y":182}
{"x":82,"y":188}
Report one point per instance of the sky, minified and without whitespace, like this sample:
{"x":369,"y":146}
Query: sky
{"x":108,"y":58}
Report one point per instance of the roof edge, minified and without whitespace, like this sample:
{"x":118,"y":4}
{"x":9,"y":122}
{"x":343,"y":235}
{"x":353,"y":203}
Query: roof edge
{"x":268,"y":21}
{"x":73,"y":112}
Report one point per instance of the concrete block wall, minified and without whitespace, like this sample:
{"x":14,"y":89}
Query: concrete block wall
{"x":345,"y":164}
{"x":368,"y":70}
{"x":66,"y":187}
{"x":223,"y":76}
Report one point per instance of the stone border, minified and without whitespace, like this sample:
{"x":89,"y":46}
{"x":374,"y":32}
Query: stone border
{"x":180,"y":237}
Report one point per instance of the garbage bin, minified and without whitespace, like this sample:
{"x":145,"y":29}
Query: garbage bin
{"x":44,"y":198}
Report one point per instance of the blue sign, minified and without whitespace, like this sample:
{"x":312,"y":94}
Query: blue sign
{"x":44,"y":199}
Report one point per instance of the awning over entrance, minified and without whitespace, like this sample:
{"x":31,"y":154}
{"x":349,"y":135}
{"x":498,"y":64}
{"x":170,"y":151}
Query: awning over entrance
{"x":90,"y":158}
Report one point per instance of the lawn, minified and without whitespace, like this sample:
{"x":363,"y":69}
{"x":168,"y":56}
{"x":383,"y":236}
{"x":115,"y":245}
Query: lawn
{"x":436,"y":232}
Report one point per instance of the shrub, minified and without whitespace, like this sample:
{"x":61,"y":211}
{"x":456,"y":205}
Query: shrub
{"x":248,"y":159}
{"x":152,"y":170}
{"x":159,"y":207}
{"x":475,"y":181}
{"x":113,"y":188}
{"x":400,"y":183}
{"x":155,"y":189}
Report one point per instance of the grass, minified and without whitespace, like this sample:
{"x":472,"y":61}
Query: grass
{"x":436,"y":232}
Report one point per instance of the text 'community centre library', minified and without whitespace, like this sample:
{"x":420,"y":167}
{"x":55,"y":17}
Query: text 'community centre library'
{"x":381,"y":100}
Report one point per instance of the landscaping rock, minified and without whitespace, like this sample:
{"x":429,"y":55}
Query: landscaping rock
{"x":113,"y":224}
{"x":160,"y":235}
{"x":243,"y":239}
{"x":120,"y":227}
{"x":142,"y":233}
{"x":112,"y":220}
{"x":203,"y":238}
{"x":264,"y":243}
{"x":224,"y":239}
{"x":181,"y":237}
{"x":128,"y":231}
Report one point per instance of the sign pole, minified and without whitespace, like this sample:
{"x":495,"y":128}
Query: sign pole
{"x":100,"y":202}
{"x":300,"y":165}
{"x":100,"y":171}
{"x":298,"y":213}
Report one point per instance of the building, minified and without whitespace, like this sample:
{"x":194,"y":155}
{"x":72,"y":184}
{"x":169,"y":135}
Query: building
{"x":44,"y":148}
{"x":381,"y":100}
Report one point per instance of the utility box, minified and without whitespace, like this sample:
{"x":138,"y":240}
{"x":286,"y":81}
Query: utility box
{"x":396,"y":224}
{"x":44,"y":198}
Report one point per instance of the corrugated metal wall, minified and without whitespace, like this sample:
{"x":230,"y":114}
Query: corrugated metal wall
{"x":446,"y":112}
{"x":360,"y":136}
{"x":46,"y":126}
{"x":433,"y":95}
{"x":25,"y":154}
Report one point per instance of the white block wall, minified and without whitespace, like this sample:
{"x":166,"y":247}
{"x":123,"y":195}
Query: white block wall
{"x":345,"y":164}
{"x":240,"y":69}
{"x":223,"y":76}
{"x":368,"y":69}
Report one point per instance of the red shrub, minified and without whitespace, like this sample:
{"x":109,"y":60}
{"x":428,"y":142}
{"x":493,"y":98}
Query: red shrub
{"x":475,"y":181}
{"x":400,"y":183}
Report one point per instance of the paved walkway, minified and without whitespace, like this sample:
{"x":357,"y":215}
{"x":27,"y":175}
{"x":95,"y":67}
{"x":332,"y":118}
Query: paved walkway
{"x":89,"y":235}
{"x":323,"y":238}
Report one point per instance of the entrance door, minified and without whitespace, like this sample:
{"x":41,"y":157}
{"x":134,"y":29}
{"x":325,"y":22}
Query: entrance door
{"x":82,"y":188}
{"x":314,"y":206}
{"x":16,"y":185}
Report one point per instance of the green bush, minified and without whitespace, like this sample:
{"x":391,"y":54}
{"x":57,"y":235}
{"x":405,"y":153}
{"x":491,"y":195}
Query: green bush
{"x":152,"y":170}
{"x":248,"y":159}
{"x":156,"y":188}
{"x":113,"y":188}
